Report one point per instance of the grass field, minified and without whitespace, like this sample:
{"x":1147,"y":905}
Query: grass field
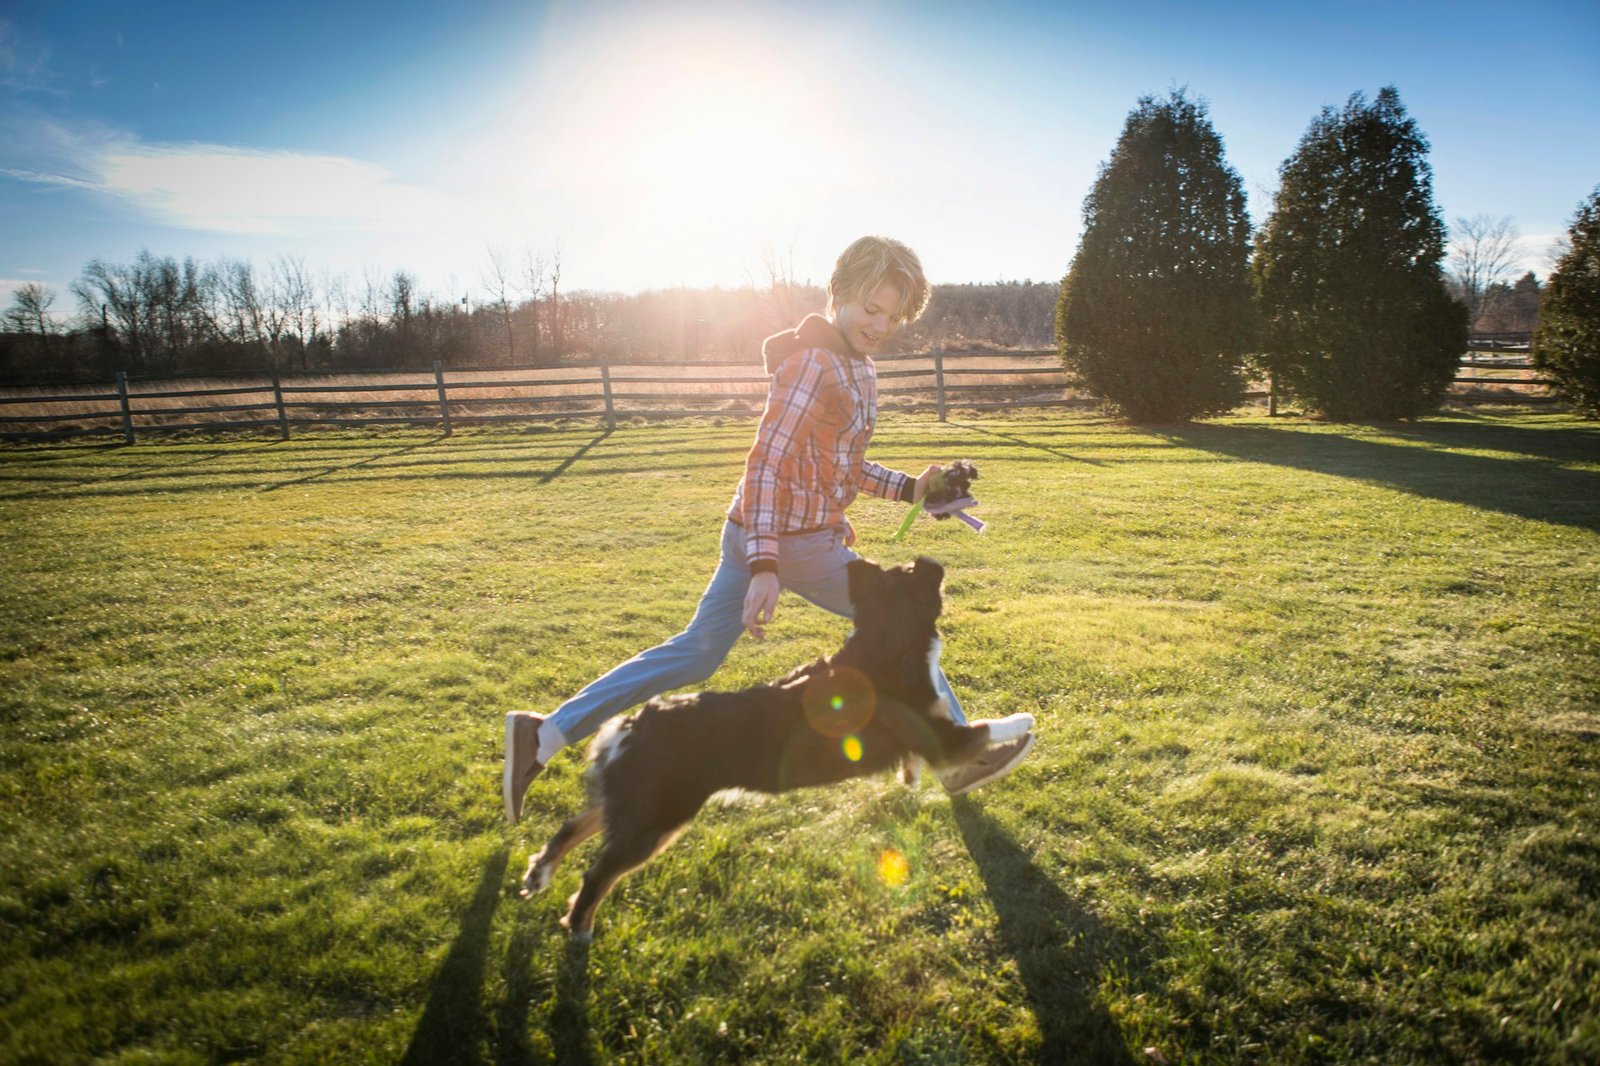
{"x":1317,"y":780}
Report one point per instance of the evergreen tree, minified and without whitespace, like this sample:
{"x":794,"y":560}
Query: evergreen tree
{"x":1567,"y":344}
{"x":1358,"y":320}
{"x":1155,"y":311}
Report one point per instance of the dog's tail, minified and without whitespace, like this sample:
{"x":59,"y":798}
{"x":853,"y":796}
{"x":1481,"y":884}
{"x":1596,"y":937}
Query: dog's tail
{"x":603,"y":751}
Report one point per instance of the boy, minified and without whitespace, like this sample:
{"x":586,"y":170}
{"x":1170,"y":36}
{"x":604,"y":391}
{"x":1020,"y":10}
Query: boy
{"x":786,"y":526}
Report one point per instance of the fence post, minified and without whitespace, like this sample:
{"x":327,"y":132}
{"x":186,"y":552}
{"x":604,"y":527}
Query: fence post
{"x":444,"y":408}
{"x":277,"y":398}
{"x":127,"y":411}
{"x":938,"y":378}
{"x":605,"y":385}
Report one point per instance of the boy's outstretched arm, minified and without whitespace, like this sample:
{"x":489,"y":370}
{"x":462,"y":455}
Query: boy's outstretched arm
{"x":892,"y":485}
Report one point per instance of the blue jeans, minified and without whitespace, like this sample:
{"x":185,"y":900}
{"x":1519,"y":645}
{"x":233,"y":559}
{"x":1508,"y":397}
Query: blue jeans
{"x":810,"y":564}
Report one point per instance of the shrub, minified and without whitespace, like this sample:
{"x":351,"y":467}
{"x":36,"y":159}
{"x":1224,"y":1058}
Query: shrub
{"x":1567,"y":344}
{"x":1155,"y":311}
{"x":1358,"y":320}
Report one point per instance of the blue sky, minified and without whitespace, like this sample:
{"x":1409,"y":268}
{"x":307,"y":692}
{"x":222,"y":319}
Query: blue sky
{"x":660,"y":144}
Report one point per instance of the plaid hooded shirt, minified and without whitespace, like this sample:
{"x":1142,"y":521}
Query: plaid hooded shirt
{"x":809,"y":461}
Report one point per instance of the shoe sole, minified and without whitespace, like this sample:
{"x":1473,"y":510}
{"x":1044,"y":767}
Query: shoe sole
{"x":1000,"y":771}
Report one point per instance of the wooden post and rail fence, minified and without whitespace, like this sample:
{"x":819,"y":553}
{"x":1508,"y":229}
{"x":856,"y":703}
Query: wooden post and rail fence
{"x":604,"y":390}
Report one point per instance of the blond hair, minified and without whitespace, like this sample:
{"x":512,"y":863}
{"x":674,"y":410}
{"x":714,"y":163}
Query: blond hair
{"x":867,"y":264}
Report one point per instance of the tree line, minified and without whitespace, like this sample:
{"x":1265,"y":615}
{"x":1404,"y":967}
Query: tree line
{"x":1342,"y":296}
{"x":159,"y":315}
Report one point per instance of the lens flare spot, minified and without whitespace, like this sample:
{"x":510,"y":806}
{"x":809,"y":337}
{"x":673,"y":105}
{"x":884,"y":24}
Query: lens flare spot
{"x":839,"y":701}
{"x":893,"y":869}
{"x":852,"y":747}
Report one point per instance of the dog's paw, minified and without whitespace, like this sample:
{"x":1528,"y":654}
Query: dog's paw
{"x":911,"y":772}
{"x":536,"y":880}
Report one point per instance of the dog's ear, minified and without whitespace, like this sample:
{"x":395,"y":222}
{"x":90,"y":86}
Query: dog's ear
{"x":865,"y":578}
{"x":925,"y":569}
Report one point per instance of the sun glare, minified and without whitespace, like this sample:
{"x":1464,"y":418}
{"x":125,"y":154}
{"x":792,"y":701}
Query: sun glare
{"x":691,"y":136}
{"x":717,"y":151}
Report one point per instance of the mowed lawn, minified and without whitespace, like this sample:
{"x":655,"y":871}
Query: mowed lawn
{"x":1317,"y":778}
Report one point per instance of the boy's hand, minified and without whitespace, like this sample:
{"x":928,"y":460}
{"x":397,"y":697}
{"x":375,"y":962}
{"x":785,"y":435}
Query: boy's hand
{"x":760,"y":604}
{"x":925,"y":482}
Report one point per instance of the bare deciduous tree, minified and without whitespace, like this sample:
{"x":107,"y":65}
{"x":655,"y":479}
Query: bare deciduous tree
{"x":1483,"y":252}
{"x":108,"y":295}
{"x":782,"y":287}
{"x":296,"y":314}
{"x":497,"y":279}
{"x":533,"y":275}
{"x":30,"y":311}
{"x":401,"y":298}
{"x":240,"y":315}
{"x":555,"y":301}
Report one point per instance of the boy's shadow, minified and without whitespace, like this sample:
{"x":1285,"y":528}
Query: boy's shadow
{"x":1059,"y":947}
{"x":453,"y":1023}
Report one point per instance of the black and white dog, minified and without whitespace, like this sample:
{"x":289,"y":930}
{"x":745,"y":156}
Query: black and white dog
{"x":871,"y":706}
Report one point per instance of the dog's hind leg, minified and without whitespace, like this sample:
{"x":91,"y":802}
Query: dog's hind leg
{"x":626,"y":848}
{"x":542,"y":867}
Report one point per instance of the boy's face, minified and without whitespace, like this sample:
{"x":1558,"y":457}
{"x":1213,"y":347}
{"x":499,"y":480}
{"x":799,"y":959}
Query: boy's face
{"x":868,"y":324}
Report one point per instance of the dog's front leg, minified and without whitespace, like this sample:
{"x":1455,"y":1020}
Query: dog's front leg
{"x":962,"y":743}
{"x":542,"y":867}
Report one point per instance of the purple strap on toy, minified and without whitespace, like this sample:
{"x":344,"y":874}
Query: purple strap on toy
{"x":957,"y":509}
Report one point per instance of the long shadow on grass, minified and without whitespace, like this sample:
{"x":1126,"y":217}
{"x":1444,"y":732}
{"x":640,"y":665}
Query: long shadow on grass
{"x":568,"y":1010}
{"x":453,"y":1024}
{"x":1057,"y":452}
{"x":1466,"y":429}
{"x":63,"y":486}
{"x":545,"y":479}
{"x":1059,"y":947}
{"x":1537,"y":487}
{"x":436,"y":465}
{"x":320,"y":474}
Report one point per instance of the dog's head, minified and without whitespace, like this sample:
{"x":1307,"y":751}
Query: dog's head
{"x":903,"y":600}
{"x":913,"y":588}
{"x":896,"y":642}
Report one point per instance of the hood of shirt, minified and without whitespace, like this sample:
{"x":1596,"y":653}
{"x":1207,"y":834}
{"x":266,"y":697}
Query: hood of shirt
{"x":814,"y":331}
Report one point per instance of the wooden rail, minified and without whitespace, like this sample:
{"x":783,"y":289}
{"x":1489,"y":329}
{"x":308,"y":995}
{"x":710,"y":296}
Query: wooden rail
{"x":925,"y":381}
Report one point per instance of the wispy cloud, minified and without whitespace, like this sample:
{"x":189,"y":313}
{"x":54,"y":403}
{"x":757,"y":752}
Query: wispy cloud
{"x":238,"y":190}
{"x":225,"y":188}
{"x":9,"y":287}
{"x":24,"y":63}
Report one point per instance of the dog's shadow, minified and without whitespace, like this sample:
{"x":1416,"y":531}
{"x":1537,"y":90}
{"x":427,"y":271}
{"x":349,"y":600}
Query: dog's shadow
{"x":1060,"y":948}
{"x":568,"y":1025}
{"x":455,"y":1028}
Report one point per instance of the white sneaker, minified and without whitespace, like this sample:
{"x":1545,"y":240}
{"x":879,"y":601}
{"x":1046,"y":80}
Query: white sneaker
{"x":995,"y":763}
